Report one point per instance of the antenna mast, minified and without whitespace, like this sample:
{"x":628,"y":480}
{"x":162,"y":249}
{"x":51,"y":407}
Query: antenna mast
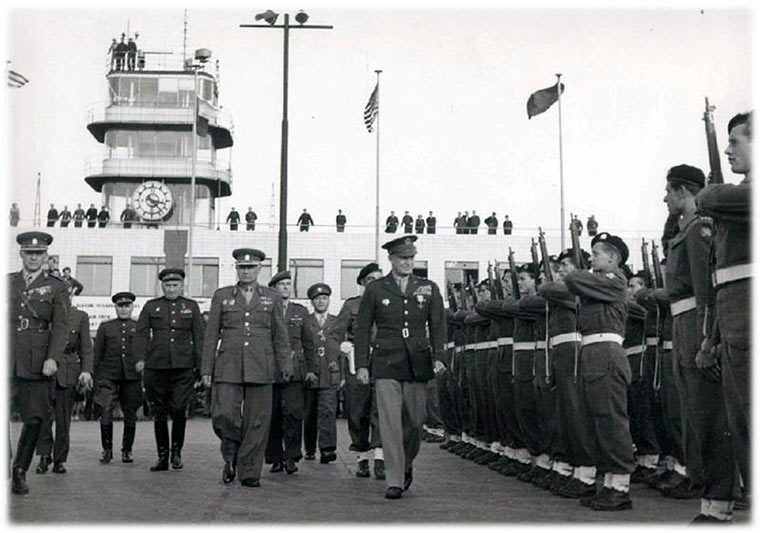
{"x":184,"y":39}
{"x":271,"y":209}
{"x":37,"y":208}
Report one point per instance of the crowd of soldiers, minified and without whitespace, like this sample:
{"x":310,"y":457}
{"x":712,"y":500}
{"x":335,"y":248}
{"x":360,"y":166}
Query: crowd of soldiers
{"x":580,"y":376}
{"x":602,"y":373}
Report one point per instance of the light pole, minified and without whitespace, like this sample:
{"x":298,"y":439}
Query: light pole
{"x":271,"y":17}
{"x":202,"y":55}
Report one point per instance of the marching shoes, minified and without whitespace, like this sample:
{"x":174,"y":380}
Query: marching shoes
{"x":58,"y":468}
{"x":19,"y":485}
{"x":408,"y":479}
{"x":393,"y":493}
{"x":363,"y":470}
{"x":276,"y":467}
{"x":106,"y":456}
{"x":126,"y":456}
{"x":290,"y":466}
{"x":379,"y":469}
{"x":45,"y":461}
{"x":250,"y":482}
{"x":327,"y":457}
{"x":163,"y":461}
{"x":228,"y":472}
{"x":176,"y":460}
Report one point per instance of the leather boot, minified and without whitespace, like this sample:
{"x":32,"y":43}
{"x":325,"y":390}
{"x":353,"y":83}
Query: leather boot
{"x":42,"y":466}
{"x":30,"y":433}
{"x":379,"y":469}
{"x":363,"y":470}
{"x":178,"y":440}
{"x":106,"y":442}
{"x":161,"y":430}
{"x":19,"y":485}
{"x":176,"y":457}
{"x":127,"y":440}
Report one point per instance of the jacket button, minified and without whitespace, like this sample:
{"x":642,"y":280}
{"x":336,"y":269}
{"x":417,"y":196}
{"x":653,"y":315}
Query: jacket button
{"x":247,"y":313}
{"x":172,"y":340}
{"x":245,"y":343}
{"x":246,"y":324}
{"x":406,"y":312}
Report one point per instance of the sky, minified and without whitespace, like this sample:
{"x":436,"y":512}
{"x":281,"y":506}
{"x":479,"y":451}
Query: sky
{"x":454,"y":132}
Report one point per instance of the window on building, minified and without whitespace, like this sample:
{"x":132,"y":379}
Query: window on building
{"x":94,"y":272}
{"x":420,"y":269}
{"x":167,"y":92}
{"x":143,"y":279}
{"x":349,"y":269}
{"x":143,"y":276}
{"x":305,"y":273}
{"x":265,"y":271}
{"x":459,"y":271}
{"x":205,"y":278}
{"x":148,"y":95}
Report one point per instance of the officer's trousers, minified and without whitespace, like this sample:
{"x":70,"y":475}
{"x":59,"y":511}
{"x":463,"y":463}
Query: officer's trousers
{"x":447,"y":402}
{"x":492,"y":397}
{"x":572,"y":428}
{"x":433,"y":407}
{"x":463,"y":391}
{"x":284,"y":440}
{"x":709,"y":451}
{"x":641,"y":403}
{"x":479,"y":388}
{"x":169,"y":391}
{"x":473,"y":402}
{"x":401,"y":412}
{"x":63,"y":403}
{"x":34,"y":399}
{"x":509,"y":429}
{"x":671,"y":407}
{"x":127,"y":393}
{"x":240,"y":416}
{"x":546,"y":401}
{"x":526,"y":407}
{"x":319,"y":424}
{"x":605,"y":375}
{"x":733,"y":308}
{"x":361,"y":408}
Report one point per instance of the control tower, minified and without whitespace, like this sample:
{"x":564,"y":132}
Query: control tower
{"x":146,"y":129}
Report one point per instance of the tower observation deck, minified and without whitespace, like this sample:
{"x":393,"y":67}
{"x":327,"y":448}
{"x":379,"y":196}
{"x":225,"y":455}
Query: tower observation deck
{"x":145,"y":127}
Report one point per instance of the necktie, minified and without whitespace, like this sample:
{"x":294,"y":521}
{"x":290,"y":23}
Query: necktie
{"x":247,"y":294}
{"x":401,"y":284}
{"x":321,"y":320}
{"x":29,"y":279}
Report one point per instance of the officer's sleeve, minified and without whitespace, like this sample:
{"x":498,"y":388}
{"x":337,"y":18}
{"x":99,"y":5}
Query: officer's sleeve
{"x":99,"y":347}
{"x":211,"y":338}
{"x":635,"y":311}
{"x":437,"y":324}
{"x":661,"y":297}
{"x":535,"y":305}
{"x":197,"y":336}
{"x":365,"y":321}
{"x":645,"y":297}
{"x":309,"y":349}
{"x":59,"y":328}
{"x":280,"y":338}
{"x":698,"y":251}
{"x":78,"y":287}
{"x":557,"y":293}
{"x":343,"y":322}
{"x":85,"y":343}
{"x":725,"y":200}
{"x":602,"y":287}
{"x":141,"y":340}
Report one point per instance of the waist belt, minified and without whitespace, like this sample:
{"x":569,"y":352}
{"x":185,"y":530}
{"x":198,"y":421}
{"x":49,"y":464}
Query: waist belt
{"x":504,"y":341}
{"x":681,"y":306}
{"x":482,"y":345}
{"x":633,"y":350}
{"x":524,"y":346}
{"x":565,"y":337}
{"x":458,"y":349}
{"x":594,"y":338}
{"x":667,"y":345}
{"x":732,"y":273}
{"x":540,"y":345}
{"x":653,"y":341}
{"x":27,"y":323}
{"x":470,"y":346}
{"x":449,"y":345}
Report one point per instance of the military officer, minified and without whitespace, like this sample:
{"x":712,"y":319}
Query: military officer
{"x":246,"y":346}
{"x":361,"y":405}
{"x":75,"y":368}
{"x":170,"y":339}
{"x":38,"y":311}
{"x":117,"y":374}
{"x":288,"y":396}
{"x":604,"y":370}
{"x":322,"y":392}
{"x":411,"y":332}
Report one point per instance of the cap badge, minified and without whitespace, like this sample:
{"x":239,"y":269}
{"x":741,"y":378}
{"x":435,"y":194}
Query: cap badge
{"x":247,"y":257}
{"x":386,"y":302}
{"x":34,"y":241}
{"x":407,"y":241}
{"x":603,"y":237}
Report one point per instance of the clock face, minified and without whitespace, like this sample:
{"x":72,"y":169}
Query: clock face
{"x":152,"y":200}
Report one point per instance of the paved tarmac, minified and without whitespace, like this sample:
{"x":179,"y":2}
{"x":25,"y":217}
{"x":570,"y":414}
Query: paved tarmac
{"x":446,"y":489}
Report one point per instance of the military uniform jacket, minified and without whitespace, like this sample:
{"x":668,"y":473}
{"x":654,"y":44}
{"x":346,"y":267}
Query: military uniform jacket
{"x":301,"y":343}
{"x":635,"y":324}
{"x":246,"y":342}
{"x":505,"y":326}
{"x":411,"y":329}
{"x":79,"y":214}
{"x":77,"y":355}
{"x":37,"y":328}
{"x":603,"y":301}
{"x":92,"y":214}
{"x":326,"y":350}
{"x":730,"y":207}
{"x":346,"y":323}
{"x":562,"y":307}
{"x":169,"y":334}
{"x":115,"y":354}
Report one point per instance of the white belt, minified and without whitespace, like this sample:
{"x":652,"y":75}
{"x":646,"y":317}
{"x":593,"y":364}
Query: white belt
{"x":565,"y":337}
{"x":653,"y":341}
{"x":469,"y":346}
{"x":633,"y":350}
{"x":481,"y":345}
{"x":540,"y":345}
{"x":524,"y":346}
{"x":733,"y":273}
{"x":594,"y":338}
{"x":667,"y":345}
{"x":504,"y":341}
{"x":681,"y":306}
{"x":493,"y":344}
{"x":449,"y":345}
{"x":458,"y":349}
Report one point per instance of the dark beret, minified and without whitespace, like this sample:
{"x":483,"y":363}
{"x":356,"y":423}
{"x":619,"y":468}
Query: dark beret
{"x":285,"y":274}
{"x":318,"y":289}
{"x":366,"y":271}
{"x":686,"y":174}
{"x":567,"y":253}
{"x":171,"y":274}
{"x":614,"y":241}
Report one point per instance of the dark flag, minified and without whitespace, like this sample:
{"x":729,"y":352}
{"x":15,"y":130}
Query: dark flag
{"x":371,"y":110}
{"x":542,"y":100}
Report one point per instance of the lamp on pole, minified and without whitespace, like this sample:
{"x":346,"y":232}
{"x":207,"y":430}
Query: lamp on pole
{"x":270,"y":17}
{"x":202,"y":55}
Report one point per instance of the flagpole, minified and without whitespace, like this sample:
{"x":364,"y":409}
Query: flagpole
{"x":377,"y":175}
{"x":561,"y":177}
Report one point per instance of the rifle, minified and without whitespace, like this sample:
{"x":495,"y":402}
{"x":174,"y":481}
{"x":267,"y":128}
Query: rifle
{"x":658,"y":281}
{"x":548,"y":275}
{"x":450,"y":295}
{"x":472,"y":291}
{"x":648,"y":279}
{"x":575,"y":238}
{"x":491,"y":282}
{"x":534,"y":254}
{"x":715,"y":176}
{"x":513,"y":276}
{"x":497,"y":281}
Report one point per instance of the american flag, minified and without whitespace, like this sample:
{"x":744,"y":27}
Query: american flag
{"x":371,"y":110}
{"x":15,"y":79}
